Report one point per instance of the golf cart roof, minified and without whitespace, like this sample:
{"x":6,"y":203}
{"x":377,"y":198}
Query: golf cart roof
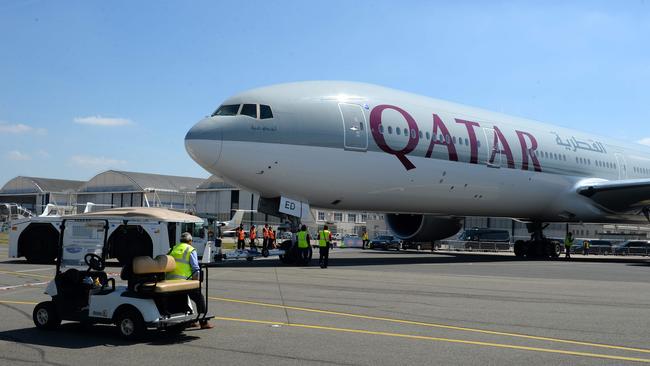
{"x":155,"y":213}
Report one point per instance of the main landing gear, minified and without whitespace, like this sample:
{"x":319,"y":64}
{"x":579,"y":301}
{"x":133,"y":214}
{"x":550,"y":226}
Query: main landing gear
{"x":538,"y":246}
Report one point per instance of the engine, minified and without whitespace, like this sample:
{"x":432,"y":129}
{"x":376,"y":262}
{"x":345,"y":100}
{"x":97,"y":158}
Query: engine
{"x":422,"y":228}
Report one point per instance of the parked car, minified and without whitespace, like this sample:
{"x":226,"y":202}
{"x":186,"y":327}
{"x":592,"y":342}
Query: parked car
{"x":485,"y":239}
{"x":632,"y":247}
{"x":418,"y":245}
{"x":596,"y":246}
{"x":337,"y":236}
{"x":384,"y":242}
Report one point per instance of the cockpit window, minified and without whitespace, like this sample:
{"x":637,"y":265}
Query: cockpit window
{"x":265,"y":112}
{"x":226,"y":110}
{"x":249,"y":110}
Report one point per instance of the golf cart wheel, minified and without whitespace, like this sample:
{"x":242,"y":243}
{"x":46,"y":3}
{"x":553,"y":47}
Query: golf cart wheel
{"x":45,"y":316}
{"x":265,"y":252}
{"x":130,"y":324}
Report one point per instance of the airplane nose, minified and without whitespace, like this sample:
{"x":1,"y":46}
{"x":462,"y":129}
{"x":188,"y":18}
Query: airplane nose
{"x":203,"y":143}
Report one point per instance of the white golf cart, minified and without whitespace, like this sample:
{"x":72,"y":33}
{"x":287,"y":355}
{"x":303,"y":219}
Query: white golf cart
{"x":81,"y":290}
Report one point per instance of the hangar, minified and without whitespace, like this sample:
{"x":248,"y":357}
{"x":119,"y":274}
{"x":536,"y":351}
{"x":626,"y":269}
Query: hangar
{"x":114,"y":188}
{"x":35,"y":193}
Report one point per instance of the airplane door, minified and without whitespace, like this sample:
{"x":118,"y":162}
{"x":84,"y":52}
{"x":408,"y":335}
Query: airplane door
{"x":355,"y":136}
{"x":621,"y":165}
{"x":492,"y":158}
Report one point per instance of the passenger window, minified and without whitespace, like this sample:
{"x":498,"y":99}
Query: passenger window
{"x":397,"y":131}
{"x":466,"y":142}
{"x":265,"y":112}
{"x":454,"y":139}
{"x":390,"y":130}
{"x":413,"y":134}
{"x":227,"y":110}
{"x":381,"y":128}
{"x":249,"y":110}
{"x":421,"y":134}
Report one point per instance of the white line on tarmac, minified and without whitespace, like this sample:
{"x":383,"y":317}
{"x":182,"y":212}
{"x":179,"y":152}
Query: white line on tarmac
{"x":23,"y":285}
{"x":35,"y":270}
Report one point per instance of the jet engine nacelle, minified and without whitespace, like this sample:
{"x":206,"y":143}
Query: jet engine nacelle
{"x":423,"y":228}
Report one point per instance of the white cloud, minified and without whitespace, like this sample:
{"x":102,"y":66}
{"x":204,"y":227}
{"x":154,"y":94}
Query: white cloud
{"x":18,"y":156}
{"x":96,"y":162}
{"x":102,"y":121}
{"x":645,"y":141}
{"x":20,"y":128}
{"x":43,"y":154}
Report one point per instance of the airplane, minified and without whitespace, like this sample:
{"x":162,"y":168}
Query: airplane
{"x":425,"y":162}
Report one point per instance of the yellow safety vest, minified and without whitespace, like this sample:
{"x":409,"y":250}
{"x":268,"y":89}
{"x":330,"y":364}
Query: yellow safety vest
{"x":302,"y":239}
{"x":324,"y":238}
{"x":568,"y":242}
{"x":181,"y":253}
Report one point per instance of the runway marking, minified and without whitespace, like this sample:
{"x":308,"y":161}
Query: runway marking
{"x":439,"y":339}
{"x":23,"y":285}
{"x":35,"y":270}
{"x":25,"y":274}
{"x":433,"y":325}
{"x":409,"y":336}
{"x":18,"y":302}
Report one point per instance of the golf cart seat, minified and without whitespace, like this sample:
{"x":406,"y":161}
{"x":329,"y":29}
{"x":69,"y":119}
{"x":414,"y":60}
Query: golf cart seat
{"x":149,"y":276}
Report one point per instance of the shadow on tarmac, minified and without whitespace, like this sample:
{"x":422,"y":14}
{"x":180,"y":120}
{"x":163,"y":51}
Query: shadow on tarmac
{"x":383,"y":258}
{"x":79,"y":336}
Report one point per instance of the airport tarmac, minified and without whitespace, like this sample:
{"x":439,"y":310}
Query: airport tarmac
{"x":371,"y":308}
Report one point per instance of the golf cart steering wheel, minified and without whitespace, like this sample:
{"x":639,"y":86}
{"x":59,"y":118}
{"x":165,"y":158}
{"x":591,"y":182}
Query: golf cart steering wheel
{"x":94,"y":262}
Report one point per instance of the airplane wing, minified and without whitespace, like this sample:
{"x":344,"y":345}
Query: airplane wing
{"x":620,"y":195}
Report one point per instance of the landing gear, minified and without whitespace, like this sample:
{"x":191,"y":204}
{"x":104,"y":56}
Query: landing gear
{"x":538,"y":246}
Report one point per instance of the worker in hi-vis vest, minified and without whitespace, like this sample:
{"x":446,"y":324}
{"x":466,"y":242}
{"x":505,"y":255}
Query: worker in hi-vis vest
{"x":303,"y":239}
{"x":252,"y":236}
{"x":324,"y":240}
{"x":568,"y":242}
{"x":265,"y":237}
{"x":187,"y":267}
{"x":241,"y":234}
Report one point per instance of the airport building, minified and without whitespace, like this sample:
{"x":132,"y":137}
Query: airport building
{"x":114,"y":188}
{"x":213,"y":198}
{"x":34,"y":193}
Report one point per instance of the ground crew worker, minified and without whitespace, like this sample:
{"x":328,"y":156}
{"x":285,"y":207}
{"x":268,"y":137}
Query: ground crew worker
{"x":252,"y":236}
{"x":324,"y":239}
{"x":568,"y":242}
{"x":240,"y":238}
{"x":272,"y":238}
{"x":585,"y":247}
{"x":265,"y":237}
{"x":365,"y":241}
{"x":187,"y":267}
{"x":303,"y":239}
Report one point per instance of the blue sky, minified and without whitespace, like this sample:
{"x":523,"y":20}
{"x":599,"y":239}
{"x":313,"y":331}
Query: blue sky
{"x":87,"y":86}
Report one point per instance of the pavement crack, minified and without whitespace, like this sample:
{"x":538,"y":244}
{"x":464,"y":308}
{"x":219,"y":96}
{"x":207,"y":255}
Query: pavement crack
{"x":277,"y":280}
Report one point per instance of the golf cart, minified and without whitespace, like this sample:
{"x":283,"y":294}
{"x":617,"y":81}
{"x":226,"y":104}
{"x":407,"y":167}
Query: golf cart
{"x":81,"y":290}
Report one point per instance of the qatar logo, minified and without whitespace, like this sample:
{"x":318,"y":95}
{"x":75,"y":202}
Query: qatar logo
{"x":413,"y":138}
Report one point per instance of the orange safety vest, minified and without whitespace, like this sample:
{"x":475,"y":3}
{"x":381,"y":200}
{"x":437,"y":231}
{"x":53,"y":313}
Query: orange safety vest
{"x":265,"y":232}
{"x":253,"y":234}
{"x":241,"y":235}
{"x":271,"y":235}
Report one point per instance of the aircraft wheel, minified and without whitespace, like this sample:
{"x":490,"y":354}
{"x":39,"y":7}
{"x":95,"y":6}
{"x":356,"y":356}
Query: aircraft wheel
{"x":45,"y":315}
{"x":130,"y":324}
{"x":520,"y":248}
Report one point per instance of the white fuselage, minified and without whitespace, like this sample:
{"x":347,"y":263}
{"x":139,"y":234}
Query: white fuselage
{"x":362,"y":147}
